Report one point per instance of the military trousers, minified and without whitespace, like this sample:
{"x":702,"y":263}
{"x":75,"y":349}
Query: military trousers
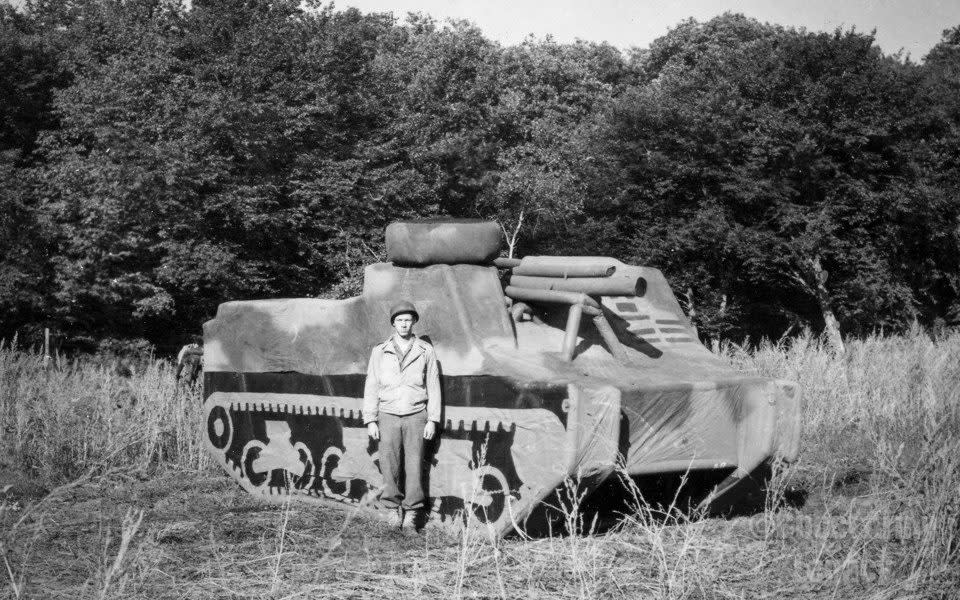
{"x":401,"y":459}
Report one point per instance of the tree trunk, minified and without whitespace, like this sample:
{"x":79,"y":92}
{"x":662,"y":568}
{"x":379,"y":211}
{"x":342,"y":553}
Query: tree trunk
{"x":830,"y":324}
{"x":512,"y":239}
{"x":691,"y":307}
{"x":691,"y":311}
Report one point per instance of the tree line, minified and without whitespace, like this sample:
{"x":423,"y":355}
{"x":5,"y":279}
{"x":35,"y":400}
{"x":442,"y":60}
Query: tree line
{"x":158,"y":160}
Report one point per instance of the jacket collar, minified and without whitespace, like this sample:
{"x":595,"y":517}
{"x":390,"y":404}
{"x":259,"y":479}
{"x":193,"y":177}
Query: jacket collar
{"x":388,"y":343}
{"x":416,"y":349}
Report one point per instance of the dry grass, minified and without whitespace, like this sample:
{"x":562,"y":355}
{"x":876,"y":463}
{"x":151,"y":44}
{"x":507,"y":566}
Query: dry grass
{"x":113,"y":497}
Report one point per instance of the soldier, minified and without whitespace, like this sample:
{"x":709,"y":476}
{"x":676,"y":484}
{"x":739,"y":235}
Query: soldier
{"x":189,"y":362}
{"x":401,"y":408}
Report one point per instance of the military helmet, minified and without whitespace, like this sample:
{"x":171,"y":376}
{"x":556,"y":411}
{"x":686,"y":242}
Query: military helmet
{"x":403,"y":307}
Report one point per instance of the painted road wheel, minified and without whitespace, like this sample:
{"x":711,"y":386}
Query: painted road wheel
{"x":326,"y":473}
{"x":251,"y":452}
{"x":491,"y":495}
{"x":304,"y":480}
{"x":219,"y":428}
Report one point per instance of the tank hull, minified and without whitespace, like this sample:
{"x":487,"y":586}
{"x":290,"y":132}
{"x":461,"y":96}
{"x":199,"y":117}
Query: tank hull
{"x":283,"y":387}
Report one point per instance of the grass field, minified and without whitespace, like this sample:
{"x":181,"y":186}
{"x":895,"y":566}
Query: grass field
{"x":107,"y":492}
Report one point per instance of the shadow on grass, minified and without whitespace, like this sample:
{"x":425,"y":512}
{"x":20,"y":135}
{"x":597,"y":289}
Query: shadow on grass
{"x":664,"y":497}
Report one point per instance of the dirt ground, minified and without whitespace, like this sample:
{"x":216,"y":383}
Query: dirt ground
{"x":170,"y":532}
{"x":200,"y":536}
{"x":188,"y":534}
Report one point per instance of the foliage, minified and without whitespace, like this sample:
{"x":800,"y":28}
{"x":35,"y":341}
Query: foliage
{"x":786,"y":173}
{"x":157,"y":161}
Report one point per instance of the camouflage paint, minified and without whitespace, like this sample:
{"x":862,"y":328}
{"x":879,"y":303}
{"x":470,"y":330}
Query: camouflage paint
{"x":284,"y":380}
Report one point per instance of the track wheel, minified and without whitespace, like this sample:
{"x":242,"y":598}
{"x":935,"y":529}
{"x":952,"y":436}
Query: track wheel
{"x":490,"y":495}
{"x":251,"y":452}
{"x":305,"y":479}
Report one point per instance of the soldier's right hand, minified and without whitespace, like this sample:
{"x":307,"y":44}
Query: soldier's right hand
{"x":373,"y":430}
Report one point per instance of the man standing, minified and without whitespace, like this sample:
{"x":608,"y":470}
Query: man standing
{"x":401,"y":408}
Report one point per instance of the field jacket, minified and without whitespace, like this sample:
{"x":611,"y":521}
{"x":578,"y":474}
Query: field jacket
{"x":402,"y":385}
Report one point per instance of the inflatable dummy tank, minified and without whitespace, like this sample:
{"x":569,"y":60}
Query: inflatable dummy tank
{"x":551,"y":368}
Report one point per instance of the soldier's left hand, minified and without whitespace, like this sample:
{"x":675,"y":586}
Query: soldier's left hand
{"x":429,"y":430}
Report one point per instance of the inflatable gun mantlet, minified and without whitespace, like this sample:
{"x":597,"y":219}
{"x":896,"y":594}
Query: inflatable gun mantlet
{"x":575,"y":280}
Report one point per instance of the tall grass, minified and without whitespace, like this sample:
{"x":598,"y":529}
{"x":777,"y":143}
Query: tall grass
{"x":880,"y":462}
{"x":80,"y":415}
{"x":881,"y":451}
{"x":885,"y":399}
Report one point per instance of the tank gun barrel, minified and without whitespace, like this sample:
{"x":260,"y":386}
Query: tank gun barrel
{"x":616,"y":285}
{"x":565,"y":266}
{"x":559,"y":266}
{"x":506,"y":263}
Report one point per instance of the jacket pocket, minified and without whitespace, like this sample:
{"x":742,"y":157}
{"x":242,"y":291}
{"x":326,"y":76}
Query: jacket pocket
{"x":414,"y":373}
{"x":389,"y":373}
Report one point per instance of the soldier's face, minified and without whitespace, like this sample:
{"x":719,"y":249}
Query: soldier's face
{"x":403,"y":324}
